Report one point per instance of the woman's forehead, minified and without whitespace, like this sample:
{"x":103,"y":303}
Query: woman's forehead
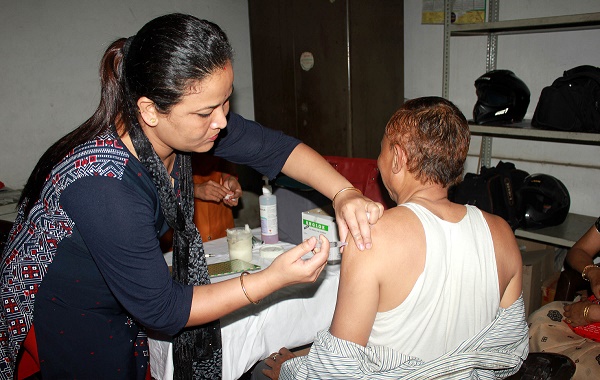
{"x":221,"y":77}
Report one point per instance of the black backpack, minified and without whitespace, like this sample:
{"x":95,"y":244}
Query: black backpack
{"x":571,"y":103}
{"x":494,"y":190}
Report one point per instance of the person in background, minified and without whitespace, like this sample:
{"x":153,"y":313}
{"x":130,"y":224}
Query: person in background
{"x":216,"y":191}
{"x":549,"y":325}
{"x":82,"y":271}
{"x":581,"y":258}
{"x":439,"y":294}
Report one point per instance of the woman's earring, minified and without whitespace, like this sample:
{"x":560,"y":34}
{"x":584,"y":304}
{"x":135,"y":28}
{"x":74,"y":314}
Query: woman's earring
{"x":153,"y":121}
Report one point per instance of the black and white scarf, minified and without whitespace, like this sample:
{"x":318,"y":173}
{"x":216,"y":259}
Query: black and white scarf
{"x":196,"y":350}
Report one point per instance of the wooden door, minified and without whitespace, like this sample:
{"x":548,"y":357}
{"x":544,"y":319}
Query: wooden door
{"x":323,"y":70}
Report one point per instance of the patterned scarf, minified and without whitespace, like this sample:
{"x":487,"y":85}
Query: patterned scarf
{"x":197,"y":350}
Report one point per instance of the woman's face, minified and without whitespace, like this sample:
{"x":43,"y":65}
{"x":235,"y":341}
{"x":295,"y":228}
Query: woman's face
{"x":194,"y":123}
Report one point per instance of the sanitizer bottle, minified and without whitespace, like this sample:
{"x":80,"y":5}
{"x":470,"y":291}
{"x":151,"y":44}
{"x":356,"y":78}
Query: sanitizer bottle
{"x":268,"y":214}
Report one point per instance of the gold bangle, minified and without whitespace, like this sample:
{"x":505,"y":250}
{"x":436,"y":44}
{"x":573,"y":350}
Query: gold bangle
{"x":586,"y":311}
{"x":341,"y":191}
{"x":244,"y":289}
{"x":583,"y":272}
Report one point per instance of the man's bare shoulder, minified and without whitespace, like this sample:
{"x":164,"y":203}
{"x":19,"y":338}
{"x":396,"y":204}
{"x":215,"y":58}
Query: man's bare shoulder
{"x":498,"y":226}
{"x":505,"y":243}
{"x":508,"y":259}
{"x":399,"y":228}
{"x":393,"y":219}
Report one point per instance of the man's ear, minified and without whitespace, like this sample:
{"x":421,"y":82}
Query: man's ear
{"x":398,"y":159}
{"x":148,"y":111}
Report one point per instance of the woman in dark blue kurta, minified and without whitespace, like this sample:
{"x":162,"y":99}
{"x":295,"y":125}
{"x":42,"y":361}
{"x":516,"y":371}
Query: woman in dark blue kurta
{"x":83,"y":262}
{"x":91,"y":268}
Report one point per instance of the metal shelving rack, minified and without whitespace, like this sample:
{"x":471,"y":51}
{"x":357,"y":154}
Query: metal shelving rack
{"x":567,"y":233}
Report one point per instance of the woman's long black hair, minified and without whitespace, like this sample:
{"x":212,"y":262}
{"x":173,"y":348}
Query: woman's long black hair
{"x":160,"y":62}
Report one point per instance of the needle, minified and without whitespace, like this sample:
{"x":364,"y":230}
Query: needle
{"x":333,"y":244}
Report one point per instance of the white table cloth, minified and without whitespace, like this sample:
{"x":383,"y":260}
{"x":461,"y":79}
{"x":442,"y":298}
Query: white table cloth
{"x":290,"y":317}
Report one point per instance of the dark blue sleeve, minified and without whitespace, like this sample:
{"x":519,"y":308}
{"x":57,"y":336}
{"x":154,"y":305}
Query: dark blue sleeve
{"x":249,"y":143}
{"x":117,"y":224}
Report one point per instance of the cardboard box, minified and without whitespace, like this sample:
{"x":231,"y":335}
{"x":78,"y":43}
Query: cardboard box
{"x":538,"y":266}
{"x":319,"y":221}
{"x":528,"y":245}
{"x":549,"y":288}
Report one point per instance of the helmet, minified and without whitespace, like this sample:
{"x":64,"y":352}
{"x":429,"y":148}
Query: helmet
{"x":501,"y":98}
{"x":545,"y":201}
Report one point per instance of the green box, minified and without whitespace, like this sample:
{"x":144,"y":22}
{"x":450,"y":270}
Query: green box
{"x":317,"y":222}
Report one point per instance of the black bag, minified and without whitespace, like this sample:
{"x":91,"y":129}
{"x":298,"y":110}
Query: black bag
{"x":571,"y":103}
{"x":495,"y":190}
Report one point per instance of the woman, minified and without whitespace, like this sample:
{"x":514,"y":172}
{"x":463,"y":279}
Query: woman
{"x":548,"y":331}
{"x":83,"y":264}
{"x":439,"y":294}
{"x":581,"y":258}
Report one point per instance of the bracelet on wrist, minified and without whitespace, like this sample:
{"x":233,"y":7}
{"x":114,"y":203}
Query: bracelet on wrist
{"x":244,"y":288}
{"x":341,"y":191}
{"x":584,"y":271}
{"x":586,"y":312}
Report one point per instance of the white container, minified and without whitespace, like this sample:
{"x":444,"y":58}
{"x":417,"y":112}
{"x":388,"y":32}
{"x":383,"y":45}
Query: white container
{"x":239,"y":241}
{"x":319,"y":221}
{"x":270,"y":251}
{"x":268,"y":215}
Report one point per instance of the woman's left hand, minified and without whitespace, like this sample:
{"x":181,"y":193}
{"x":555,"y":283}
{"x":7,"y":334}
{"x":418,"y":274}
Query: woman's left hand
{"x":235,"y":191}
{"x":355,"y":214}
{"x":573,"y":313}
{"x":275,"y":360}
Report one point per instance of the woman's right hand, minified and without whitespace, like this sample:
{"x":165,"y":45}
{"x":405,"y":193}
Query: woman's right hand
{"x":573,"y":313}
{"x":289,"y":268}
{"x":210,"y":302}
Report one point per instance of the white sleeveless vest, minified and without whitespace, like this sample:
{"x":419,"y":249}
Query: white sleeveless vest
{"x":456,"y":295}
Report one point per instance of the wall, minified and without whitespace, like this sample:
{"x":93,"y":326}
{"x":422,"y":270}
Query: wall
{"x":535,"y":58}
{"x":51,"y":52}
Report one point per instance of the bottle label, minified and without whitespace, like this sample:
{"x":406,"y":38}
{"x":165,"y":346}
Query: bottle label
{"x":268,"y":219}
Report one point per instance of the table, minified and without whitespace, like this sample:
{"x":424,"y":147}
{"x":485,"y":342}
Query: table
{"x":290,"y":317}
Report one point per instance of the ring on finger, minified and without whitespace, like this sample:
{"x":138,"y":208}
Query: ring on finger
{"x":274,"y":356}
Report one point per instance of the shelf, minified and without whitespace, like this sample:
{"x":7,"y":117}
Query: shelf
{"x":531,"y":25}
{"x":524,"y":130}
{"x":563,"y":235}
{"x":575,"y":225}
